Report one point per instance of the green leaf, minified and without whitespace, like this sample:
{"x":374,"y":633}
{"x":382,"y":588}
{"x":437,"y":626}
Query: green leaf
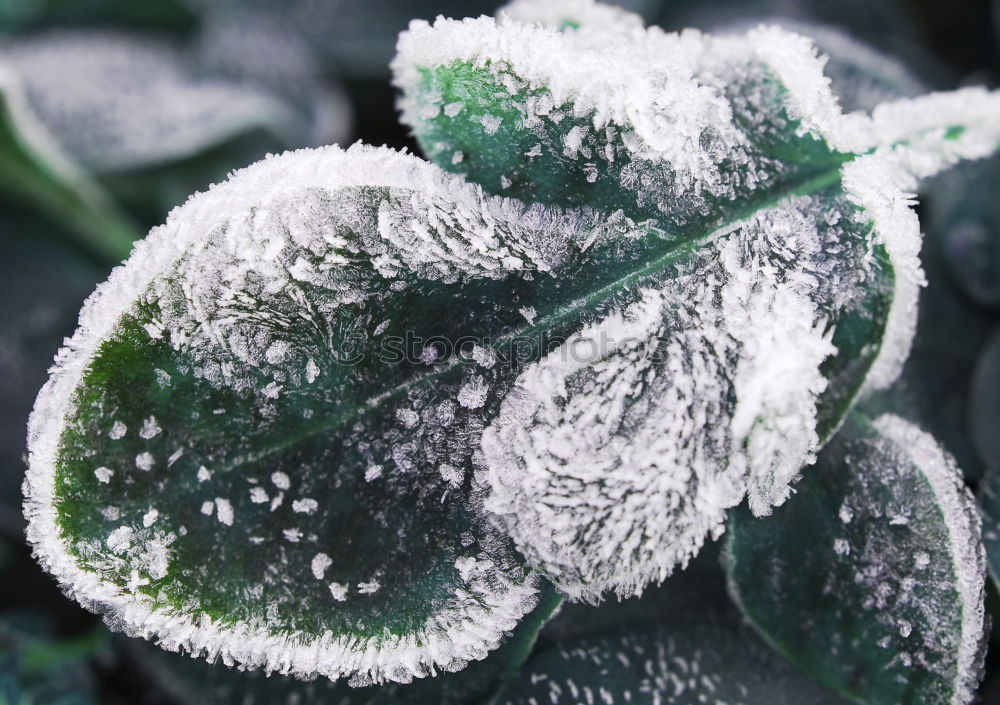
{"x":418,"y":378}
{"x":671,"y":662}
{"x":33,"y":168}
{"x":287,"y":506}
{"x":575,"y":117}
{"x":192,"y":682}
{"x":872,"y":580}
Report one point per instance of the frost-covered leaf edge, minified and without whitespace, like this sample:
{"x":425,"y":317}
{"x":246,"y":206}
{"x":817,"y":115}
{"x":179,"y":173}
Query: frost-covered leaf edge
{"x":445,"y":646}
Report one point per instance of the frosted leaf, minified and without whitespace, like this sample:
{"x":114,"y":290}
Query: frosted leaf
{"x":861,"y":77}
{"x":355,"y":236}
{"x":924,"y":136}
{"x":617,"y":455}
{"x":194,"y":681}
{"x":670,"y":663}
{"x":915,"y":587}
{"x":573,"y":15}
{"x":598,"y":98}
{"x":153,"y":107}
{"x":720,"y":148}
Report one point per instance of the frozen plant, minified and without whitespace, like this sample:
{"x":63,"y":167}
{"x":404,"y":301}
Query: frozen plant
{"x":675,"y":266}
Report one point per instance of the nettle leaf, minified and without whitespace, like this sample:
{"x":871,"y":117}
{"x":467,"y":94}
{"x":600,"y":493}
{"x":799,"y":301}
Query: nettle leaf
{"x":714,"y":145}
{"x":872,"y":580}
{"x":673,"y":663}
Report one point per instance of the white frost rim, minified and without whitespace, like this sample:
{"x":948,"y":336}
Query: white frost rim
{"x":868,"y":182}
{"x":448,"y":640}
{"x":968,"y":554}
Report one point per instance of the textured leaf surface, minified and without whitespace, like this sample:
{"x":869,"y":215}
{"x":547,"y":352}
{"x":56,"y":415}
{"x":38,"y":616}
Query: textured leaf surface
{"x":872,"y":580}
{"x":664,"y":664}
{"x":193,"y":682}
{"x":210,"y":467}
{"x":743,"y":148}
{"x":245,"y":452}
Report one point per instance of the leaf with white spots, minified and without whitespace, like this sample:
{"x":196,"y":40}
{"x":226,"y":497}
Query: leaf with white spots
{"x":679,"y":313}
{"x":307,"y":527}
{"x":670,"y":663}
{"x":192,"y":682}
{"x":712,"y":145}
{"x":872,"y":580}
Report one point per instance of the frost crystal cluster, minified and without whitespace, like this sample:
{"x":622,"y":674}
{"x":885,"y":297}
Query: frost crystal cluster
{"x":345,"y":413}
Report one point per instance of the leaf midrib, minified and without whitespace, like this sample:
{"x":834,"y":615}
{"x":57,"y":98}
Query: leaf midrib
{"x":814,"y":184}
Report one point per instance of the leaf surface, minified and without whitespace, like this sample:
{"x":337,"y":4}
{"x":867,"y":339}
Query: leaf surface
{"x":872,"y":580}
{"x":744,"y":146}
{"x":671,"y":663}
